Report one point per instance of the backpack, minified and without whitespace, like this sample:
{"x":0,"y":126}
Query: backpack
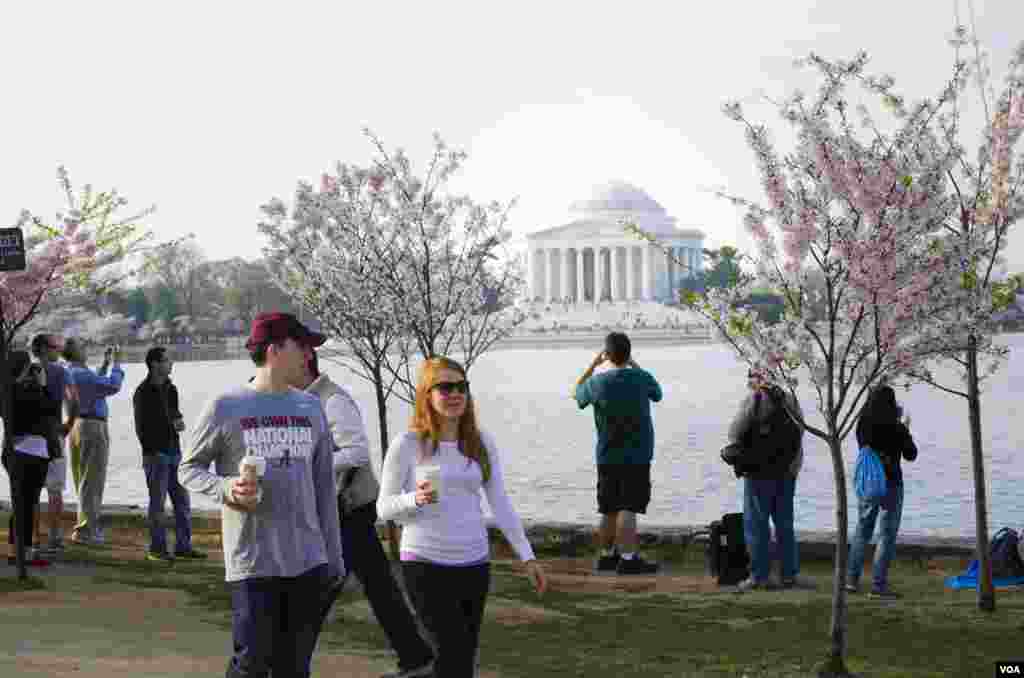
{"x":1004,"y":553}
{"x":725,"y":552}
{"x":869,"y":475}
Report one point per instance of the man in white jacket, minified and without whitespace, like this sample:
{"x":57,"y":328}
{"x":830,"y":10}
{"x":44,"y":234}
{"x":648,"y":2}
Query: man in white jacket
{"x":357,"y":509}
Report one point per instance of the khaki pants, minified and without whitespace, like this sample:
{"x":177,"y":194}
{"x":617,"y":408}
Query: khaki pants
{"x":90,"y":438}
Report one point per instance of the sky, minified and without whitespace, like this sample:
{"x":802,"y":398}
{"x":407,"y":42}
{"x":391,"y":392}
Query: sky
{"x":210,"y":109}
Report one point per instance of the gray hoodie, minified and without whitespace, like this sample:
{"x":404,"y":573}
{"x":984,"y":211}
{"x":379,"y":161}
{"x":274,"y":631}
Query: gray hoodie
{"x":295,"y":526}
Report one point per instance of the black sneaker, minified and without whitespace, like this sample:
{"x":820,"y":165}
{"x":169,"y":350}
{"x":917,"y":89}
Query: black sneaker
{"x":637,"y":565}
{"x":884,"y":592}
{"x":191,"y":554}
{"x":424,"y":671}
{"x":608,"y":563}
{"x":159,"y":557}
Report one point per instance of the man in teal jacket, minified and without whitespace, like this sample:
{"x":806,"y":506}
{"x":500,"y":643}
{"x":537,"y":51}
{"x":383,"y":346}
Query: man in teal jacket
{"x":621,"y":397}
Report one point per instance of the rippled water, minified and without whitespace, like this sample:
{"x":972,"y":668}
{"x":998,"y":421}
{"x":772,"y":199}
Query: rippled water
{"x":547,"y":443}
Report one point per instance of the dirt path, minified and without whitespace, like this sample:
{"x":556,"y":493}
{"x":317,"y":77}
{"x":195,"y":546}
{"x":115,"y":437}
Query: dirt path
{"x":88,"y":629}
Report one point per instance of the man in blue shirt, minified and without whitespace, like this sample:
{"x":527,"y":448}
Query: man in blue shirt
{"x":90,"y":439}
{"x":621,"y":397}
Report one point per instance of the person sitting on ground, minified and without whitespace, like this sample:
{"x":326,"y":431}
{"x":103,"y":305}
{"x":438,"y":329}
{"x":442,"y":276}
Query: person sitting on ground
{"x":775,"y":442}
{"x":32,"y":444}
{"x":879,"y":427}
{"x":158,"y":424}
{"x":90,"y":438}
{"x":621,"y":398}
{"x":433,"y":480}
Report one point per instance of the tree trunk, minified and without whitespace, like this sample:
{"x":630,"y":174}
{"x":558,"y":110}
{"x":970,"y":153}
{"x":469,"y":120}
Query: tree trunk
{"x":835,"y":664}
{"x":382,"y":421}
{"x":986,"y":592}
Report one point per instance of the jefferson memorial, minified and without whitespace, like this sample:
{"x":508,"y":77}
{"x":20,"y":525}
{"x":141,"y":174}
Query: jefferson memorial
{"x":593,"y":259}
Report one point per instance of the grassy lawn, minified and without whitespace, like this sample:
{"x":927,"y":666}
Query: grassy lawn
{"x":932,"y":631}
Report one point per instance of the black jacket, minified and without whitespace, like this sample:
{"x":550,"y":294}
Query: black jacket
{"x":156,"y":408}
{"x":34,"y":412}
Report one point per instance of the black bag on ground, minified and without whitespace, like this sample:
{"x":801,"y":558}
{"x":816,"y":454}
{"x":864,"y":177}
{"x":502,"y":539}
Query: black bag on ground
{"x":1004,"y":552}
{"x":725,"y":554}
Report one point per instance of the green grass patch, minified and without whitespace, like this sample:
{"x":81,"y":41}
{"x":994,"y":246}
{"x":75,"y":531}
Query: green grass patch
{"x":13,"y":584}
{"x":930,"y":632}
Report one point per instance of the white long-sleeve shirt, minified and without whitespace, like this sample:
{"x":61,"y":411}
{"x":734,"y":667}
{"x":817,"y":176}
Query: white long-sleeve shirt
{"x":451,"y":531}
{"x":352,"y":448}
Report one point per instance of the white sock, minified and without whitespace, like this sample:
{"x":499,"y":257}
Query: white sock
{"x":628,"y":555}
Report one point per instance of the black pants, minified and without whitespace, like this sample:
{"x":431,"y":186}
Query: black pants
{"x":365,"y":556}
{"x":28,"y":475}
{"x":275,"y":624}
{"x":450,"y":601}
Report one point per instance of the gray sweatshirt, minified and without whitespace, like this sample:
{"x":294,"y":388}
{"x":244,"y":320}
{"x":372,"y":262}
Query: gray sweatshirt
{"x":295,"y":526}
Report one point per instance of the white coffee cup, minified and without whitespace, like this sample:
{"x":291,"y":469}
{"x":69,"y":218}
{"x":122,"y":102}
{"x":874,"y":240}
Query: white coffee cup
{"x":253,"y":468}
{"x":432,"y":474}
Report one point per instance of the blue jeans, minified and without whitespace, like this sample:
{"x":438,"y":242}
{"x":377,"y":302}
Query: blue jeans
{"x":890,"y":510}
{"x":764,"y":499}
{"x":275,"y":624}
{"x":162,"y":481}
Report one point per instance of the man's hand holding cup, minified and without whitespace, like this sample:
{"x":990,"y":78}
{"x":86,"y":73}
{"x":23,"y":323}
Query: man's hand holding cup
{"x":245,"y":492}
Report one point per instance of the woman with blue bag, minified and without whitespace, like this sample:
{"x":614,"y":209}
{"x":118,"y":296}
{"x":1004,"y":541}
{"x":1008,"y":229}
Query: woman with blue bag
{"x":880,"y":434}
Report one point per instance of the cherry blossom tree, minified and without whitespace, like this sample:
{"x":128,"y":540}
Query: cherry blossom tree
{"x":62,"y":256}
{"x":987,"y":196}
{"x":863,"y":210}
{"x":396,"y":267}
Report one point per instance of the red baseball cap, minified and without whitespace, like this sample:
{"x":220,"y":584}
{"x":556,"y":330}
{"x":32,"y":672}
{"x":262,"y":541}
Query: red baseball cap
{"x":272,"y":327}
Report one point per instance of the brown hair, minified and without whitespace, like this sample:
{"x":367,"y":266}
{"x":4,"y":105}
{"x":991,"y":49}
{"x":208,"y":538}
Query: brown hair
{"x":426,"y":423}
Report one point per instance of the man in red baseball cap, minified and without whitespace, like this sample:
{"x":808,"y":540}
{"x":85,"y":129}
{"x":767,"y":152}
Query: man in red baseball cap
{"x":282,"y":545}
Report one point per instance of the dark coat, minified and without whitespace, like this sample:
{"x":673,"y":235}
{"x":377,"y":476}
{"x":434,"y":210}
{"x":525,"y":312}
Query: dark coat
{"x":156,"y":408}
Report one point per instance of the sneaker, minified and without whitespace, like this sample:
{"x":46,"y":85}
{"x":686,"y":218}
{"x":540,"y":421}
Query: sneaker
{"x":82,"y":539}
{"x":636,"y":565}
{"x":751,"y":584}
{"x":418,"y":672}
{"x":608,"y":563}
{"x":159,"y":557}
{"x":191,"y":554}
{"x":883,"y":592}
{"x":851,"y":588}
{"x":787,"y":583}
{"x":31,"y":560}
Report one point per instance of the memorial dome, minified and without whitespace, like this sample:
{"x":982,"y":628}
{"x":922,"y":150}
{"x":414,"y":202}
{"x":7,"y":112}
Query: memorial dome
{"x":617,"y":196}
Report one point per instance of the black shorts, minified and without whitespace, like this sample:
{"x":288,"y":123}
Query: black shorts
{"x":623,"y":487}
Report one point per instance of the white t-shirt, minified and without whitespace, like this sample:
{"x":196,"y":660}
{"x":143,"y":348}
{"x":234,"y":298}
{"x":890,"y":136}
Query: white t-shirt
{"x":451,"y":531}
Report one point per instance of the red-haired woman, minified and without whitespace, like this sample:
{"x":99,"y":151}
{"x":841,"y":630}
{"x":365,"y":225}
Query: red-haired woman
{"x":431,"y":484}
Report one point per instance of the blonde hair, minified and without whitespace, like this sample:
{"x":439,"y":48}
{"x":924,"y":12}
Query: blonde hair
{"x":426,"y":422}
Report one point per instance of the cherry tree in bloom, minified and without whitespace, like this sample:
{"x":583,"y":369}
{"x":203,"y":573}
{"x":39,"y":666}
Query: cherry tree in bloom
{"x":863,"y":210}
{"x":62,"y":257}
{"x":987,"y":193}
{"x":395,"y":266}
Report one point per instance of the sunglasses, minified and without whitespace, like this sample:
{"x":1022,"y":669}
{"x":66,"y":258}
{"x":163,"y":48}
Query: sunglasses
{"x":449,"y":387}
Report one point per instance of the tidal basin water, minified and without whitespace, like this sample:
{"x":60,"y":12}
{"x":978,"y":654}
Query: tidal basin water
{"x":547,"y":442}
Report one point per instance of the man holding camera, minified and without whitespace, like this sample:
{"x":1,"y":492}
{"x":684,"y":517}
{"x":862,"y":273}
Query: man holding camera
{"x":768,"y":431}
{"x":621,"y":397}
{"x":90,"y":438}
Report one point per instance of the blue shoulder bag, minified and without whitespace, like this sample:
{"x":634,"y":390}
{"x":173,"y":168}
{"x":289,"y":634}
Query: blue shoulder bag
{"x":869,"y":475}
